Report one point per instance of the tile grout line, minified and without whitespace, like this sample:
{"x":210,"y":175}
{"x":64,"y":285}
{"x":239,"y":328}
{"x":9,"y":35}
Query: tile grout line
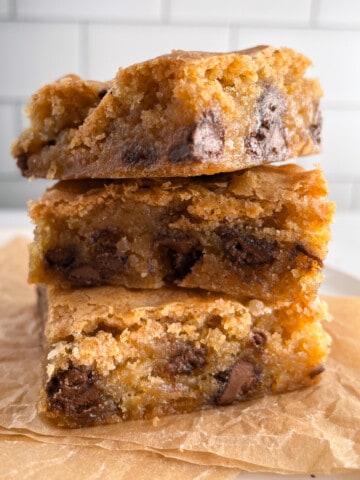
{"x":165,"y":20}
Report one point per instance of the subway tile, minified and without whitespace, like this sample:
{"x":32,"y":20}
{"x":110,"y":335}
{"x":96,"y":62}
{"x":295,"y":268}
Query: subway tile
{"x":4,"y":8}
{"x":90,"y":9}
{"x":24,"y":121}
{"x":335,"y":54}
{"x":340,"y":14}
{"x":36,"y":53}
{"x":355,"y":195}
{"x":340,"y":193}
{"x":113,"y":46}
{"x":341,"y":151}
{"x":242,"y":11}
{"x":15,"y":193}
{"x":8,"y":116}
{"x":341,"y":145}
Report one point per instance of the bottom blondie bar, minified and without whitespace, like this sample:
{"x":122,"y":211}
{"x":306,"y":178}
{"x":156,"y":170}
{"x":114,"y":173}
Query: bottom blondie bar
{"x":117,"y":354}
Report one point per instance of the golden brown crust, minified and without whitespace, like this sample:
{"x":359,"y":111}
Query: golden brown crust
{"x":116,"y":354}
{"x":181,"y":114}
{"x":259,"y":233}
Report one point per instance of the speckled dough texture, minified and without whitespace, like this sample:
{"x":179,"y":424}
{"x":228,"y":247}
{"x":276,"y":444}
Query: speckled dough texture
{"x":115,"y":354}
{"x":181,"y":114}
{"x":259,"y":233}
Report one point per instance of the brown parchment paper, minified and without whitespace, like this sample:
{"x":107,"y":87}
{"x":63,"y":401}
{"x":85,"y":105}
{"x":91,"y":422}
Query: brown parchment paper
{"x":314,"y":430}
{"x":22,"y":458}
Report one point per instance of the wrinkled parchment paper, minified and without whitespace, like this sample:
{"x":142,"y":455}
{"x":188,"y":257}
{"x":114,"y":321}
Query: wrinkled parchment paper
{"x":314,"y":430}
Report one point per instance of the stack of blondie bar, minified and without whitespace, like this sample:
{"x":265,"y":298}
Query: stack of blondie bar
{"x":179,"y":270}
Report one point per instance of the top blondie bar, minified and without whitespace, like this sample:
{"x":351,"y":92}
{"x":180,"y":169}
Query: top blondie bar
{"x":181,"y":114}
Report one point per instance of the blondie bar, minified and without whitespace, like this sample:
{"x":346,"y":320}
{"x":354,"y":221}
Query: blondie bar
{"x":181,"y":114}
{"x":115,"y":354}
{"x":259,"y":233}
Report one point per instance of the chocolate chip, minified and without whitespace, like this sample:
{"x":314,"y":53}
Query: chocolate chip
{"x":22,"y":163}
{"x":267,"y":141}
{"x":182,"y":253}
{"x":104,"y":241}
{"x":204,"y":140}
{"x":316,"y":371}
{"x":50,"y":143}
{"x":109,"y":263}
{"x":141,"y":155}
{"x":182,"y":359}
{"x":60,"y":258}
{"x":315,"y":129}
{"x":77,"y":393}
{"x":300,"y":249}
{"x":258,"y":339}
{"x":102,"y":93}
{"x":238,"y":381}
{"x":84,"y":276}
{"x":245,"y":249}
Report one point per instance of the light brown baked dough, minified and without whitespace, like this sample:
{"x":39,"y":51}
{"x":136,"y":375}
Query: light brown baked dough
{"x":114,"y":354}
{"x":260,"y":233}
{"x":181,"y":114}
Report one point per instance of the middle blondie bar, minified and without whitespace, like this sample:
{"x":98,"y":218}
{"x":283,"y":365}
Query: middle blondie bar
{"x":260,"y":233}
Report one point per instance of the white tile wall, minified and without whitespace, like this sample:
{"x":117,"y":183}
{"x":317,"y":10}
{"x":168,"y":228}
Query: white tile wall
{"x":111,"y":46}
{"x":90,"y":9}
{"x":16,"y":193}
{"x":41,"y":40}
{"x":8,"y":118}
{"x":341,"y":157}
{"x":335,"y":13}
{"x":3,"y":8}
{"x":355,"y":197}
{"x":334,"y":53}
{"x":281,"y":12}
{"x":341,"y":193}
{"x":35,"y":53}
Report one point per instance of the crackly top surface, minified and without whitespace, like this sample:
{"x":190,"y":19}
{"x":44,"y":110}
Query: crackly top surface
{"x":180,"y":114}
{"x":255,"y":193}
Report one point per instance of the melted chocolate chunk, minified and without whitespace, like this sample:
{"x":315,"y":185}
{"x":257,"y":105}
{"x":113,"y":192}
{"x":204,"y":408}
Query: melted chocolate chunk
{"x":245,"y":249}
{"x":258,"y":339}
{"x":204,"y":140}
{"x":316,"y":371}
{"x":141,"y":155}
{"x":77,"y":393}
{"x":22,"y":163}
{"x":60,"y":258}
{"x":109,"y":263}
{"x":236,"y":382}
{"x":104,"y":261}
{"x":300,"y":249}
{"x":97,"y":272}
{"x":183,"y":359}
{"x":315,"y":129}
{"x":182,"y":253}
{"x":105,"y":240}
{"x":84,"y":276}
{"x":267,"y":142}
{"x":102,"y":93}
